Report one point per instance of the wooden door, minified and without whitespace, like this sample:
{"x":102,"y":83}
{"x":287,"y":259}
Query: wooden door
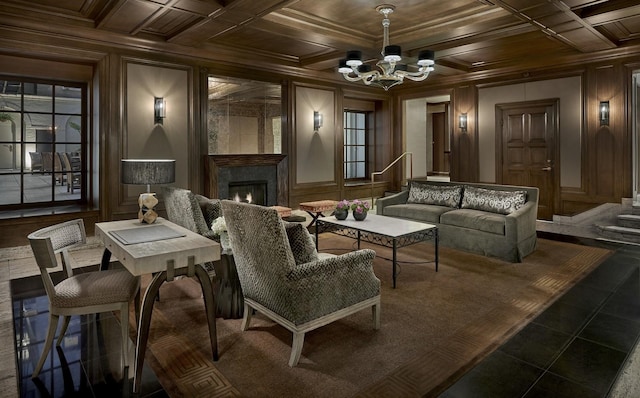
{"x":526,"y":149}
{"x":439,"y":137}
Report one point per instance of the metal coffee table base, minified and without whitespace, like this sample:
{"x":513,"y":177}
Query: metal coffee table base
{"x":394,"y":242}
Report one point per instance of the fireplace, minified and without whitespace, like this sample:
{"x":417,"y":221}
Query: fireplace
{"x":222,"y":171}
{"x":249,"y":192}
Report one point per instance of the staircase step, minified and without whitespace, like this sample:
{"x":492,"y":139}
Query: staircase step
{"x":623,"y":234}
{"x":635,"y":209}
{"x":629,"y":220}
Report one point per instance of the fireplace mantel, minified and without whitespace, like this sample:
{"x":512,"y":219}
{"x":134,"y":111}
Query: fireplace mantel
{"x":215,"y":162}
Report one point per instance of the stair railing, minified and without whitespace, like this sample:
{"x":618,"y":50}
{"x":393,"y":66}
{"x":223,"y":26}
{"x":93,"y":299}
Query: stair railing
{"x":388,"y":167}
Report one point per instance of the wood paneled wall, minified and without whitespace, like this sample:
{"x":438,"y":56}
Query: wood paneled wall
{"x":464,"y":144}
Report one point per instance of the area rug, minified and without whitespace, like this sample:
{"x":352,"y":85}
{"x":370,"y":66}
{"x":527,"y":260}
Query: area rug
{"x":435,"y":326}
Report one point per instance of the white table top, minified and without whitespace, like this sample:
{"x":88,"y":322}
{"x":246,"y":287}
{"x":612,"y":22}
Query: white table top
{"x":382,"y":225}
{"x":149,"y":257}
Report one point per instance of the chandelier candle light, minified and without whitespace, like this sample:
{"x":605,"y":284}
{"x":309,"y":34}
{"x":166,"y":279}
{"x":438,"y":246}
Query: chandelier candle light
{"x":391,"y":73}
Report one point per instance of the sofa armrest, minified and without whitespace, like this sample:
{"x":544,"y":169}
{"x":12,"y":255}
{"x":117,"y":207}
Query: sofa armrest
{"x":521,"y":223}
{"x":395,"y":199}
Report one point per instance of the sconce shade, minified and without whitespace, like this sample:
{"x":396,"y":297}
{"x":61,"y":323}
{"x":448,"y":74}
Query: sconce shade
{"x":159,"y":109}
{"x":317,"y":120}
{"x":462,"y":122}
{"x":604,"y":113}
{"x":148,"y":171}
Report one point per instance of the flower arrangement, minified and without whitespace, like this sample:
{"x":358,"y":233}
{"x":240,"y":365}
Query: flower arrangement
{"x":359,"y":206}
{"x":343,"y":205}
{"x":218,"y":226}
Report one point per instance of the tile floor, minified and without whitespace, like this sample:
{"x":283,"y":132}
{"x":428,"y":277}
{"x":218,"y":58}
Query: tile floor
{"x":88,"y":362}
{"x":576,"y":347}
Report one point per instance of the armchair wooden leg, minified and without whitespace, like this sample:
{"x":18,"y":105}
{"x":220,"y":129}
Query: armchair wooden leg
{"x":53,"y":325}
{"x":376,"y":315}
{"x":296,"y":348}
{"x":246,"y":317}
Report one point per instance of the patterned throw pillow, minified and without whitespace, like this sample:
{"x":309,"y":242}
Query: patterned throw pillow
{"x":501,"y":202}
{"x":302,"y":244}
{"x":431,"y":194}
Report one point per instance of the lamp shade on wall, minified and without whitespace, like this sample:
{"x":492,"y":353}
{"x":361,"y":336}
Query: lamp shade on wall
{"x":159,"y":109}
{"x":147,"y":172}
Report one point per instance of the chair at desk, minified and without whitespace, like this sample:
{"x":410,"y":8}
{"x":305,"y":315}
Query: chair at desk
{"x":73,"y":176}
{"x":193,"y":212}
{"x":83,"y":293}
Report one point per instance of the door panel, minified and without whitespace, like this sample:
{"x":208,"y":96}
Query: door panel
{"x":527,"y":150}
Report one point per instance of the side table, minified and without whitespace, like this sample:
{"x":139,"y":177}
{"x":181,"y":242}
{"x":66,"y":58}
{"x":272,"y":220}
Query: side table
{"x":316,"y":208}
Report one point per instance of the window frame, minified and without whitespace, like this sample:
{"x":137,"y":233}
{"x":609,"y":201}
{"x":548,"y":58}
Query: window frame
{"x":367,"y":131}
{"x":29,"y":142}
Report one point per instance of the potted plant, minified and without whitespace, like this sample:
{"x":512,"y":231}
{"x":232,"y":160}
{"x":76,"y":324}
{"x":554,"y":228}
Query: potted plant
{"x":360,"y":209}
{"x":342,"y":209}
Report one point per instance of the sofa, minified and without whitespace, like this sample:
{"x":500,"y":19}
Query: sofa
{"x":492,"y":220}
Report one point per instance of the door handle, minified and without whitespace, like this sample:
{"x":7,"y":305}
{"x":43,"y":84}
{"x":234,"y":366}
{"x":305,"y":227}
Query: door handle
{"x":548,"y":168}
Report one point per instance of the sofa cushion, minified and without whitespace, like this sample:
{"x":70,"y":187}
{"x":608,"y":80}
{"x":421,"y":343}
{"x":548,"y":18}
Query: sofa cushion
{"x":495,"y":201}
{"x":431,"y":194}
{"x":475,"y":219}
{"x":417,"y":212}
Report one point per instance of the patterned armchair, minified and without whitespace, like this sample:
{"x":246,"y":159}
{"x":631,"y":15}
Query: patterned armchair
{"x":283,"y":277}
{"x":196,"y":213}
{"x":191,"y":211}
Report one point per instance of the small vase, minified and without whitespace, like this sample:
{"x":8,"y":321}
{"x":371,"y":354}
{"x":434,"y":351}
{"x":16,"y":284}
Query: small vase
{"x":359,"y":216}
{"x":341,"y":214}
{"x":224,"y":241}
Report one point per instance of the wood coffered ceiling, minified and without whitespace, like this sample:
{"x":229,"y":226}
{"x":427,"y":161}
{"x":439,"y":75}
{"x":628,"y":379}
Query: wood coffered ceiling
{"x":310,"y":36}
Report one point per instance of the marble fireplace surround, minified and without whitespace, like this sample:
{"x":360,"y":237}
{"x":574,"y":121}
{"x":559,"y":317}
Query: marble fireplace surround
{"x":222,"y":169}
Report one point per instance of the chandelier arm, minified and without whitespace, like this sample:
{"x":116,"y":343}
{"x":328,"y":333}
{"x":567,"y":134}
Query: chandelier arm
{"x":417,"y":78}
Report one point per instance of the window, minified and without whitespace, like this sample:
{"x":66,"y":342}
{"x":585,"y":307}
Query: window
{"x":42,"y":144}
{"x":355,"y":145}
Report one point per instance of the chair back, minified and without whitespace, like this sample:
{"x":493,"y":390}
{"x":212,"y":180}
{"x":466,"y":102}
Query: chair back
{"x":183,"y":209}
{"x":261,"y":249}
{"x":49,"y":241}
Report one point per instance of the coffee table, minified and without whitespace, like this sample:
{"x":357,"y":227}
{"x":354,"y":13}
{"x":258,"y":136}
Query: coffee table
{"x":381,"y":230}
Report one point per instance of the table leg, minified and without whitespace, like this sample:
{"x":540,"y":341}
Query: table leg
{"x":314,"y":217}
{"x":143,"y":325}
{"x":358,"y":239}
{"x":106,"y":257}
{"x":317,"y":232}
{"x":209,"y":307}
{"x":394,"y":263}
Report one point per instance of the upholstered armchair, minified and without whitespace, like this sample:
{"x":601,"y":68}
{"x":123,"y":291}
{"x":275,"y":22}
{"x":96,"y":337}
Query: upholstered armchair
{"x":283,"y":277}
{"x":197,"y":213}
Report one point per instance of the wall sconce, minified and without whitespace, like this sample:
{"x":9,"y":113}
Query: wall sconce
{"x":604,"y":113}
{"x":317,"y":121}
{"x":159,"y":109}
{"x":462,"y":122}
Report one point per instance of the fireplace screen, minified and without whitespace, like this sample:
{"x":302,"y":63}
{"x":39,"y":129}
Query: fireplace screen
{"x":249,"y":192}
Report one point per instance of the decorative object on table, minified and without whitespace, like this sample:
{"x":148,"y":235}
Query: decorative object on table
{"x":360,"y":209}
{"x":147,"y":172}
{"x":219,"y":227}
{"x":342,"y":209}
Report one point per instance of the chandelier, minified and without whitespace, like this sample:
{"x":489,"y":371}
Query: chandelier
{"x":391,"y":73}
